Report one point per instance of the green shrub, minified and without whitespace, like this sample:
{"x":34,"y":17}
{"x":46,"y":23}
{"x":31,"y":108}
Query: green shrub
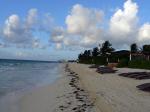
{"x":143,"y":64}
{"x":123,"y":63}
{"x":100,"y":60}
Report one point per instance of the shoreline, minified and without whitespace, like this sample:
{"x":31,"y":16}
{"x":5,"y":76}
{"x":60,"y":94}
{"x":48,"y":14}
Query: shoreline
{"x":66,"y":94}
{"x":82,"y":89}
{"x":43,"y":99}
{"x":11,"y":101}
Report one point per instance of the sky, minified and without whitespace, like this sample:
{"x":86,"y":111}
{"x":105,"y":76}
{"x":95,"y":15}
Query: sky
{"x":61,"y":29}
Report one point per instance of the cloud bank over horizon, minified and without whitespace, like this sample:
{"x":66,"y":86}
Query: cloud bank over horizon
{"x":84,"y":28}
{"x":20,"y":32}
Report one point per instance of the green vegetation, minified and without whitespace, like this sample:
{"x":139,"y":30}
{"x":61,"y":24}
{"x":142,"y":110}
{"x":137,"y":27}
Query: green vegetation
{"x":97,"y":55}
{"x":105,"y":53}
{"x":123,"y":63}
{"x":134,"y":48}
{"x":143,"y":64}
{"x":146,"y":49}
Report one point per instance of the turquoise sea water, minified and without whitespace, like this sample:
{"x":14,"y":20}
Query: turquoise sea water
{"x":20,"y":75}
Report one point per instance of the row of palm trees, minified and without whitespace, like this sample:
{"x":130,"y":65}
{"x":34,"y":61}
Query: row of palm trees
{"x":144,"y":50}
{"x":105,"y":52}
{"x":97,"y":54}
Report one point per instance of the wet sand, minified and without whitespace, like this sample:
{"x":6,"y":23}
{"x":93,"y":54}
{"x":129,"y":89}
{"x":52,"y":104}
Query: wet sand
{"x":65,"y":95}
{"x":81,"y":89}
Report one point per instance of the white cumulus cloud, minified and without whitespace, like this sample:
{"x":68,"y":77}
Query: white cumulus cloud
{"x":83,"y":27}
{"x":20,"y":32}
{"x":123,"y":23}
{"x":144,"y":33}
{"x":81,"y":19}
{"x":32,"y":17}
{"x":58,"y":46}
{"x":57,"y":34}
{"x":14,"y":31}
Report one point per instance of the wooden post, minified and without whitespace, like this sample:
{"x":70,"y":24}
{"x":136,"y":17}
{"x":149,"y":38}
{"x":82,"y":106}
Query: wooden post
{"x":130,"y":57}
{"x":107,"y":60}
{"x":118,"y":60}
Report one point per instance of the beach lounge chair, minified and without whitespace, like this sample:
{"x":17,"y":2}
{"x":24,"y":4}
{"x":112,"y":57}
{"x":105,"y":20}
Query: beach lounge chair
{"x":133,"y":75}
{"x":127,"y":74}
{"x":144,"y":87}
{"x":93,"y":66}
{"x":103,"y":70}
{"x":123,"y":74}
{"x":136,"y":75}
{"x":143,"y":77}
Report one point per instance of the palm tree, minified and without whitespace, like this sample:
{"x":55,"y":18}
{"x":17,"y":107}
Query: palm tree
{"x":106,"y":48}
{"x":134,"y":48}
{"x":95,"y":52}
{"x":146,"y":50}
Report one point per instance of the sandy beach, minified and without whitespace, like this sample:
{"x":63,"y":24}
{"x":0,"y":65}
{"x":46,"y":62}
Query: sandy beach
{"x":75,"y":56}
{"x":66,"y":94}
{"x":48,"y":98}
{"x":114,"y":93}
{"x":81,"y":89}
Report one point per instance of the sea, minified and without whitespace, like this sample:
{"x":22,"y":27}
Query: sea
{"x":20,"y":76}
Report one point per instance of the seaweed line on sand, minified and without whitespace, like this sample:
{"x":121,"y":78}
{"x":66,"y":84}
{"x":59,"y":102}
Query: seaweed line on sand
{"x":78,"y":99}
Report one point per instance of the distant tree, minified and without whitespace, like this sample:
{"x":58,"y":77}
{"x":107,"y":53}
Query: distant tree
{"x":80,"y":56}
{"x":95,"y":52}
{"x":134,"y":48}
{"x":146,"y":49}
{"x":85,"y":57}
{"x":89,"y":53}
{"x":106,"y":48}
{"x":94,"y":56}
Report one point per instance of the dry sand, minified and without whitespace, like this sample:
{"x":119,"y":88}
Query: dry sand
{"x":108,"y":92}
{"x":114,"y":93}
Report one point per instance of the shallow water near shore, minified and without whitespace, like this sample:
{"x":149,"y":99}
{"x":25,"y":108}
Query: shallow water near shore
{"x":19,"y":77}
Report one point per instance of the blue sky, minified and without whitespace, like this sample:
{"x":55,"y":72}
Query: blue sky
{"x":66,"y":41}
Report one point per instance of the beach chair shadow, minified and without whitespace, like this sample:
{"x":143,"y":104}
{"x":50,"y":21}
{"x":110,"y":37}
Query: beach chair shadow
{"x":144,"y":87}
{"x":104,"y":70}
{"x":136,"y":75}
